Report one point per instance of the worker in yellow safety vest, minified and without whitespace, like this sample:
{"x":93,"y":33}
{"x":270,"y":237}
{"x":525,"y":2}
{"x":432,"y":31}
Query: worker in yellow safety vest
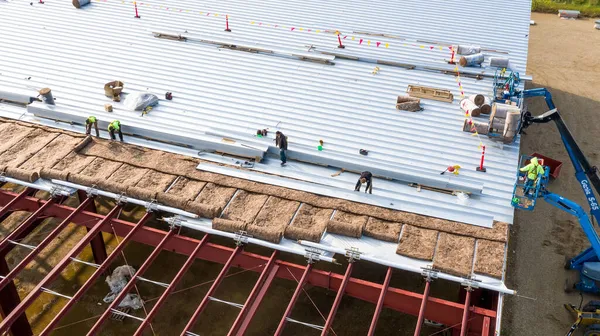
{"x":113,"y":127}
{"x":533,"y":170}
{"x":89,"y":122}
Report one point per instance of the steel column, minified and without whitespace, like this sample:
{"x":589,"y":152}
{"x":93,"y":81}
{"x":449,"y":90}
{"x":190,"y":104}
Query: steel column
{"x":379,"y":306}
{"x":8,"y":207}
{"x":256,"y":303}
{"x":186,"y":266}
{"x":28,"y":258}
{"x":9,"y":300}
{"x":422,"y":309}
{"x":25,"y":225}
{"x":406,"y":302}
{"x":211,"y":290}
{"x":338,"y":299}
{"x":97,"y":273}
{"x":464,"y":327}
{"x":293,"y":300}
{"x":55,"y":272}
{"x":263,"y":275}
{"x":96,"y":327}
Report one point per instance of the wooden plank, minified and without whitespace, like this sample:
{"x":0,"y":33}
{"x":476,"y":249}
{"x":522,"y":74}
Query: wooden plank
{"x":430,"y":93}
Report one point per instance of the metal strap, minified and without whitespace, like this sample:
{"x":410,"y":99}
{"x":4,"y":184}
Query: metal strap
{"x":189,"y":333}
{"x":314,"y":326}
{"x":162,"y":284}
{"x":118,"y":312}
{"x":85,"y":262}
{"x":227,"y":302}
{"x":49,"y":291}
{"x":31,"y":247}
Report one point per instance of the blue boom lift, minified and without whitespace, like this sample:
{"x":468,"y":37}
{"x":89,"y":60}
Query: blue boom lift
{"x":588,"y":261}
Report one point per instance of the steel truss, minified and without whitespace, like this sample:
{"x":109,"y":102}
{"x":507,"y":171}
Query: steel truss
{"x":465,"y":318}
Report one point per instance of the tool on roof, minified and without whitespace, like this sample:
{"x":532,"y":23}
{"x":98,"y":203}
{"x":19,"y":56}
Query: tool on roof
{"x":363,"y":152}
{"x":168,"y":95}
{"x":227,"y":23}
{"x":375,"y":70}
{"x":452,"y":169}
{"x":338,"y":173}
{"x":430,"y":93}
{"x":320,"y":146}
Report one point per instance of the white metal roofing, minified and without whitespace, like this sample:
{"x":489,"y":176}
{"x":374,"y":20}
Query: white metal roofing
{"x":75,"y":52}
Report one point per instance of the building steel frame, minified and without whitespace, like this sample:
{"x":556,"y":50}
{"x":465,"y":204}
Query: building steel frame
{"x":464,"y":317}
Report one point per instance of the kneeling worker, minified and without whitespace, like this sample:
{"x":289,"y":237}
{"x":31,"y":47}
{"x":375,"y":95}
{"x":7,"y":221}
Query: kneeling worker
{"x":365,"y":177}
{"x":89,"y":122}
{"x":113,"y":127}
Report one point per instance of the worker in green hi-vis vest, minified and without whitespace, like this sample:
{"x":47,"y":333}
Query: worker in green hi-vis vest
{"x":113,"y":127}
{"x":89,"y":122}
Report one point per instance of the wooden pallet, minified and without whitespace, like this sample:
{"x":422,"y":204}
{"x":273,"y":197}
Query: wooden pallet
{"x":430,"y":93}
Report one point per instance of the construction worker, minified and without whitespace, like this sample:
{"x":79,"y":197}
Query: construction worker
{"x":89,"y":122}
{"x":281,"y":142}
{"x":113,"y":127}
{"x":533,"y":170}
{"x":365,"y":177}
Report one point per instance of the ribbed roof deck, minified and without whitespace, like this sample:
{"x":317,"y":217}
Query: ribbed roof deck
{"x":76,"y":51}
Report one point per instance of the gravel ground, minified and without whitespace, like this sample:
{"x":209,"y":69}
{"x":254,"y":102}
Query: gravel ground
{"x":564,"y":57}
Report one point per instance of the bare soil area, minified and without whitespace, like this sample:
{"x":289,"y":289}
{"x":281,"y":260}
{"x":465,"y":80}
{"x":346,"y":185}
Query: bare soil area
{"x":565,"y":58}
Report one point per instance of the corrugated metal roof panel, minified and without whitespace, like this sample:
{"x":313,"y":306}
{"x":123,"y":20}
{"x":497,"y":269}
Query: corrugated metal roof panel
{"x":75,"y":52}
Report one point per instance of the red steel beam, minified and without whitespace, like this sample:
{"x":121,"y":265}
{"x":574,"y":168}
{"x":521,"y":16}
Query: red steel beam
{"x":10,"y":205}
{"x":211,"y":290}
{"x":25,"y":225}
{"x":96,"y":327}
{"x":55,"y":272}
{"x":422,"y":309}
{"x":441,"y":311}
{"x":464,"y":327}
{"x":486,"y":326}
{"x":338,"y":300}
{"x":379,"y":306}
{"x":97,"y":273}
{"x":293,"y":300}
{"x":249,"y":301}
{"x":28,"y":258}
{"x":186,"y":266}
{"x":97,"y":244}
{"x":256,"y":303}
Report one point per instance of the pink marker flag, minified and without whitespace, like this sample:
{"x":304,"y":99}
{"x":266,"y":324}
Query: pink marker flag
{"x":207,"y":14}
{"x":309,"y":30}
{"x":276,"y":26}
{"x":378,"y":43}
{"x":293,"y":28}
{"x":431,"y":47}
{"x":360,"y":42}
{"x":345,"y":37}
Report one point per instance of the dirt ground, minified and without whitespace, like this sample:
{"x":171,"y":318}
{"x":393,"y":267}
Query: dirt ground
{"x":564,"y":57}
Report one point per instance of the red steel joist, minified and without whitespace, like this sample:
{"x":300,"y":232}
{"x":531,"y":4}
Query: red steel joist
{"x":379,"y":305}
{"x":211,"y":290}
{"x":145,"y":265}
{"x":186,"y":266}
{"x":438,"y":310}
